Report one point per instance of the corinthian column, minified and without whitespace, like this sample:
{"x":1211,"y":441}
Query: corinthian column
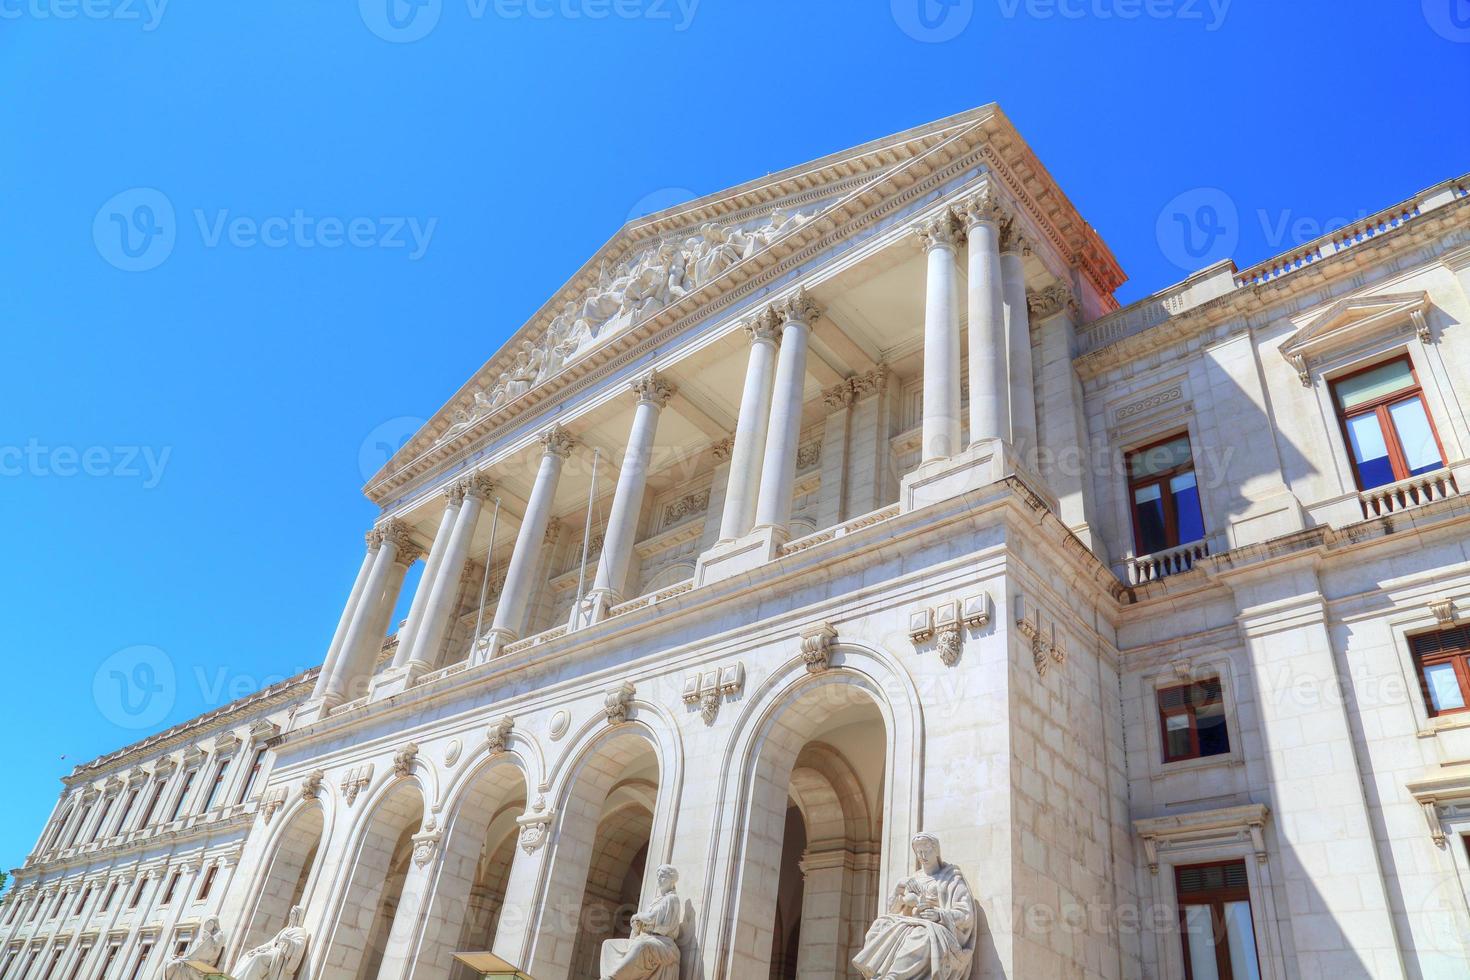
{"x":334,"y":651}
{"x":764,"y":330}
{"x":1018,"y":341}
{"x":941,"y":435}
{"x":354,"y":664}
{"x":622,"y":523}
{"x":515,"y":594}
{"x":989,"y":402}
{"x":453,"y":500}
{"x":778,"y":468}
{"x":444,"y":589}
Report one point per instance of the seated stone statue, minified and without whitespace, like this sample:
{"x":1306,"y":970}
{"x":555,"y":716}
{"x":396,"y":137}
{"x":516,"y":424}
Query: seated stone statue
{"x":928,"y":932}
{"x":207,"y":949}
{"x":278,"y":959}
{"x":652,"y":951}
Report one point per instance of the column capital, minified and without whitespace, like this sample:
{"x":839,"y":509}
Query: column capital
{"x":937,"y":231}
{"x":479,"y":485}
{"x":722,"y":450}
{"x":1011,"y":238}
{"x":983,"y":206}
{"x":654,"y":389}
{"x":839,"y":395}
{"x":1050,"y":300}
{"x":799,"y":307}
{"x":557,"y":441}
{"x":763,"y":327}
{"x":394,"y":530}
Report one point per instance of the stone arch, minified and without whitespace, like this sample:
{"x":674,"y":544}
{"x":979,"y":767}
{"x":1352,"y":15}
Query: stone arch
{"x":468,"y":889}
{"x":289,"y":877}
{"x":375,"y":872}
{"x":613,"y":774}
{"x":786,"y":713}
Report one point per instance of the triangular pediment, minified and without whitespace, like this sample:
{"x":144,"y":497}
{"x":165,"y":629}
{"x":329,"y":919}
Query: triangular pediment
{"x":687,"y":262}
{"x":1354,"y":318}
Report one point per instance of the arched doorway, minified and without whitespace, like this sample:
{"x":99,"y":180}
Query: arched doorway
{"x":468,"y":895}
{"x":370,"y":902}
{"x":286,"y":876}
{"x":809,"y":869}
{"x":602,"y":848}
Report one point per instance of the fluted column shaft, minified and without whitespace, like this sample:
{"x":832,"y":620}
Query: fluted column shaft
{"x":370,"y":620}
{"x":334,"y":651}
{"x":453,"y":500}
{"x":515,"y":595}
{"x":439,"y":610}
{"x":778,"y":468}
{"x":941,"y":406}
{"x":622,"y":523}
{"x":751,"y":428}
{"x":989,"y":401}
{"x":1018,"y":343}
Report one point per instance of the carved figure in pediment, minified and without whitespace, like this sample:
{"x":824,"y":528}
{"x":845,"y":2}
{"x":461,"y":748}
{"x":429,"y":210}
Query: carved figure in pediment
{"x":782,"y":221}
{"x":560,"y":342}
{"x":714,"y":252}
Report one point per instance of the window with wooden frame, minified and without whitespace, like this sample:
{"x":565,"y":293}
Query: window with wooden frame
{"x":183,"y":795}
{"x":1385,"y":421}
{"x":1215,"y":922}
{"x":1192,"y":720}
{"x":1164,"y":495}
{"x":256,"y":764}
{"x":1442,"y":660}
{"x":207,"y":884}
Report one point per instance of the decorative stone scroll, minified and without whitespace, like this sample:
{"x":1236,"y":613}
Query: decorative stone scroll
{"x":1046,"y":648}
{"x":616,"y":703}
{"x":311,"y":786}
{"x":709,"y":687}
{"x":816,"y":647}
{"x":403,"y":759}
{"x":274,"y":799}
{"x":497,"y":734}
{"x":426,"y":842}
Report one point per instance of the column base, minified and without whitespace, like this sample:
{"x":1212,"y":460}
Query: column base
{"x":983,"y":463}
{"x":396,"y":680}
{"x":730,"y":558}
{"x":489,"y":646}
{"x":592,"y":609}
{"x":312,"y":712}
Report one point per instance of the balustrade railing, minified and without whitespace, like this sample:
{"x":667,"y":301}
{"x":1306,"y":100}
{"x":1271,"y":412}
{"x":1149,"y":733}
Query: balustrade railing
{"x":1408,"y":493}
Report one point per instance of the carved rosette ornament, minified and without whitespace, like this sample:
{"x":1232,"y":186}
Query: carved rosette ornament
{"x":617,"y":702}
{"x":403,"y":759}
{"x":1050,"y":300}
{"x":939,"y":231}
{"x":982,"y":206}
{"x":797,"y":308}
{"x":654,"y":389}
{"x":816,"y":647}
{"x":557,"y":441}
{"x":497,"y":734}
{"x":535,"y":826}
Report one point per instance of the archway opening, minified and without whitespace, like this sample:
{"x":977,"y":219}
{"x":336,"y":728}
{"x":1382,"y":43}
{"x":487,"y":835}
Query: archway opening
{"x":287,"y":875}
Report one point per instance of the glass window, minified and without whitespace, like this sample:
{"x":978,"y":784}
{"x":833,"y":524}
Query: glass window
{"x":1215,"y":922}
{"x":1165,"y":495}
{"x":1192,"y":718}
{"x":1388,"y":429}
{"x":1443,"y":661}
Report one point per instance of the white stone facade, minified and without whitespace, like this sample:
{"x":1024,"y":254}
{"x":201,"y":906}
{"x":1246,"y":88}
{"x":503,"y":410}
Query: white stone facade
{"x":860,"y":561}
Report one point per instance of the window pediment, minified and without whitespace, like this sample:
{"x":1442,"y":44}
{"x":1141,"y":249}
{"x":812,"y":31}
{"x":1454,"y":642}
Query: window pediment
{"x":1352,"y":321}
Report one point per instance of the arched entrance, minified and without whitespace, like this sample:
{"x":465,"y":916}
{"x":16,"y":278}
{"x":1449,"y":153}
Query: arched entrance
{"x":286,"y":876}
{"x":479,"y":847}
{"x":370,"y":902}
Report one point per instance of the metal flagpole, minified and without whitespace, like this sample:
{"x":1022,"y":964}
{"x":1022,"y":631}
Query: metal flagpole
{"x":587,"y":530}
{"x":485,"y":582}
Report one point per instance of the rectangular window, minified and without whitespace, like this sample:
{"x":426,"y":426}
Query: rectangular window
{"x":107,"y":899}
{"x":112,"y":952}
{"x":102,"y":820}
{"x":183,"y":795}
{"x":1164,"y":495}
{"x":142,"y":959}
{"x":173,"y":884}
{"x":60,"y":903}
{"x":1442,"y":659}
{"x":138,"y":893}
{"x":76,"y":970}
{"x":55,"y":962}
{"x":77,"y":829}
{"x":82,"y":902}
{"x":256,"y":764}
{"x":220,"y":768}
{"x":1192,"y":720}
{"x":158,"y":788}
{"x":207,"y":884}
{"x":1215,"y":922}
{"x":1386,"y":423}
{"x":127,"y":811}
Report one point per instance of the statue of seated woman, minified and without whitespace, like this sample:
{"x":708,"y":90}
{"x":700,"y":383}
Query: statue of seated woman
{"x":928,"y":932}
{"x":207,"y":949}
{"x":652,"y":951}
{"x":278,"y":959}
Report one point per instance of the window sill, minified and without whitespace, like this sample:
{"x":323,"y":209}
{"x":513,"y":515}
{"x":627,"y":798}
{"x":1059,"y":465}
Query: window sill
{"x":1163,"y":770}
{"x":1445,"y":723}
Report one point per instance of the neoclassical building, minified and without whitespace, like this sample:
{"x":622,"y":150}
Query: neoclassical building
{"x":839,"y":506}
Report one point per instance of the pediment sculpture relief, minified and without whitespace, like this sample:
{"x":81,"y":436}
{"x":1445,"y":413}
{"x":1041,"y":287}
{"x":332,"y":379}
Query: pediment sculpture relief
{"x":929,"y":929}
{"x":625,"y":294}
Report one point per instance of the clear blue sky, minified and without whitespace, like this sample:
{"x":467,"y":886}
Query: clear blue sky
{"x":182,"y":446}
